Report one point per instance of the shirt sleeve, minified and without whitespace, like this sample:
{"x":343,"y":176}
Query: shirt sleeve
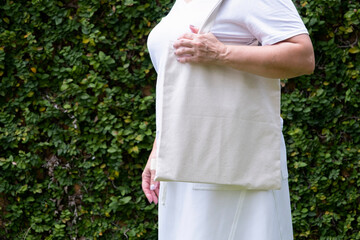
{"x":272,"y":21}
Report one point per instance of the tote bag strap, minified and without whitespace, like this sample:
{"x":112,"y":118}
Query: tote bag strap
{"x":206,"y":26}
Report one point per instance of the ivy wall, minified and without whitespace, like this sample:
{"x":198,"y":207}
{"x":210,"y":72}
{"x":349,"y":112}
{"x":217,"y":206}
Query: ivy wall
{"x":77,"y":120}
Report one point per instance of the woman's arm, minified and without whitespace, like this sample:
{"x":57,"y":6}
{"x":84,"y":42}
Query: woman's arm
{"x":149,"y":186}
{"x":289,"y":58}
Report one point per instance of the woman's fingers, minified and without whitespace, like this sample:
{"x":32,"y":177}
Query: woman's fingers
{"x":189,"y":36}
{"x":154,"y":187}
{"x":145,"y":184}
{"x":192,"y":35}
{"x":149,"y":186}
{"x":183,"y":42}
{"x":184,"y":52}
{"x":194,"y":29}
{"x":202,"y":48}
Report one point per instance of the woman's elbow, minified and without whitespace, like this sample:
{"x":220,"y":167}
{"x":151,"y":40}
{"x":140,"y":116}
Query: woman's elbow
{"x":303,"y":65}
{"x":309,"y":64}
{"x":309,"y":56}
{"x":304,"y":59}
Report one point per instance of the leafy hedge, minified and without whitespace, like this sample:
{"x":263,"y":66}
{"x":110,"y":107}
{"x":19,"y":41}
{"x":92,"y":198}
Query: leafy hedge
{"x":77,"y":120}
{"x":322,"y":126}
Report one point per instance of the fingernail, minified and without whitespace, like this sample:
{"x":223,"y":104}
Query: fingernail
{"x":152,"y":187}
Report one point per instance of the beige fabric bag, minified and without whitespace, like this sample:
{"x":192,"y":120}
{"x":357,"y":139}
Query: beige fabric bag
{"x":218,"y":125}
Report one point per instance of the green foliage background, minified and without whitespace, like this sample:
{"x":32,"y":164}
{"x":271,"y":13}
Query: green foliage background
{"x":77,"y":120}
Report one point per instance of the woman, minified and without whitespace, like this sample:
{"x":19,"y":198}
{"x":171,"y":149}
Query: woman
{"x":200,"y":211}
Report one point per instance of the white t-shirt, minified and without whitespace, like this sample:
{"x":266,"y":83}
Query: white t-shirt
{"x":237,"y":22}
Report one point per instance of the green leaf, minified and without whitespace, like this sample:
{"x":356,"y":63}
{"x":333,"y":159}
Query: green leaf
{"x":102,"y":56}
{"x":64,"y":86}
{"x":22,"y":189}
{"x":112,"y":150}
{"x":66,"y":106}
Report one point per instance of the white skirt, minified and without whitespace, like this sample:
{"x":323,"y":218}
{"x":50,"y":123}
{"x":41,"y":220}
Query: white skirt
{"x":193,"y":211}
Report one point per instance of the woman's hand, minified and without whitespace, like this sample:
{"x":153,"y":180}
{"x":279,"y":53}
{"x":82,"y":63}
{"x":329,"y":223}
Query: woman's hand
{"x":194,"y":47}
{"x":149,"y":186}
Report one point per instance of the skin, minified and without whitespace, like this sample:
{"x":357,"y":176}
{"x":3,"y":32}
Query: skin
{"x":149,"y":186}
{"x":286,"y":59}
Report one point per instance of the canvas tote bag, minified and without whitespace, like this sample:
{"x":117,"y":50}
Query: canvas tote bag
{"x":218,"y":125}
